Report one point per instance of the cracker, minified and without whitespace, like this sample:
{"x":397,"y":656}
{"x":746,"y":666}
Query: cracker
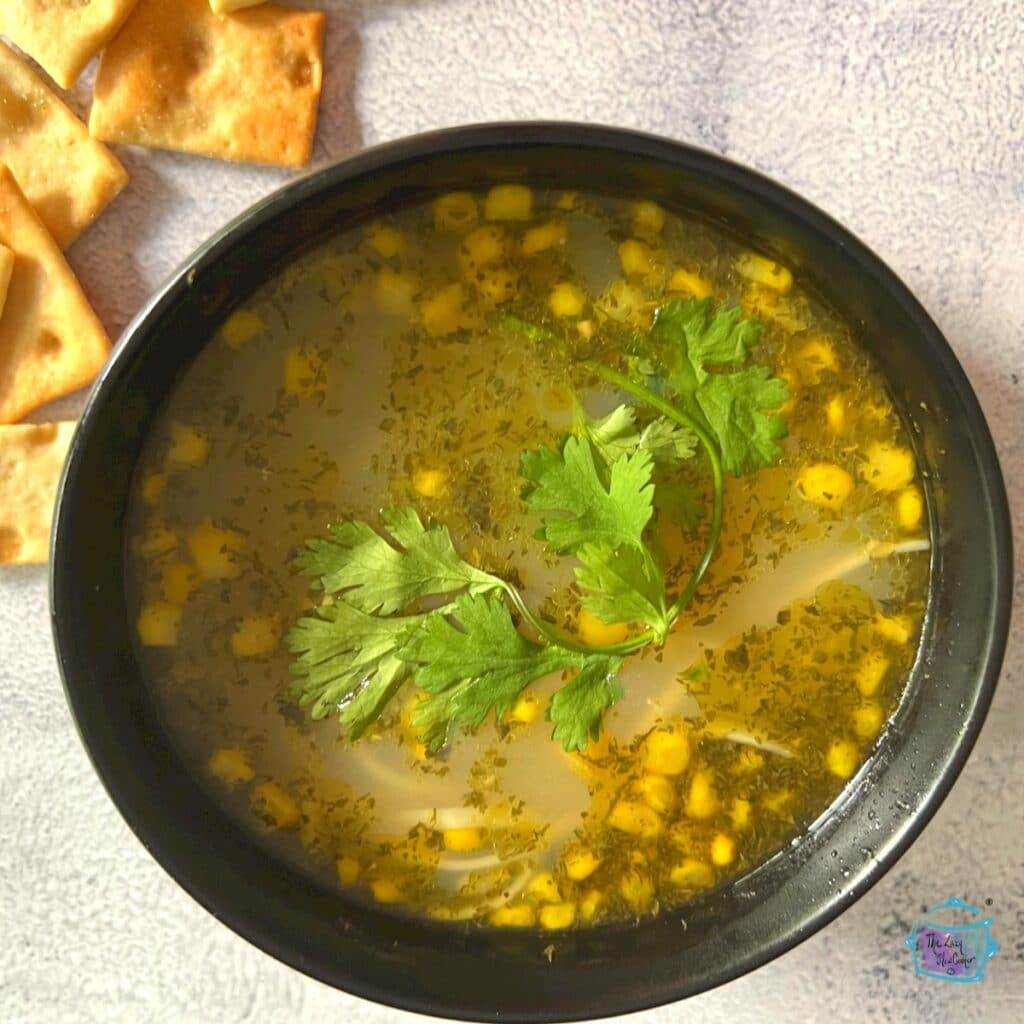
{"x":31,"y":460}
{"x":51,"y":342}
{"x":62,"y":35}
{"x":64,"y":172}
{"x":229,"y":6}
{"x":244,"y":88}
{"x":6,"y":267}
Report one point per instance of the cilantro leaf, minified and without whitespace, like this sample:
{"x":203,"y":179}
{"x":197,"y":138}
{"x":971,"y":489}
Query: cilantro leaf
{"x":578,"y":707}
{"x":383,"y":577}
{"x":623,"y":585}
{"x":667,"y":442}
{"x":735,"y":404}
{"x":569,"y":483}
{"x":617,"y":434}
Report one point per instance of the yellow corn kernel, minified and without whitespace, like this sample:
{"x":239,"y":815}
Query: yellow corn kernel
{"x":231,"y":765}
{"x":762,"y":270}
{"x":814,"y":358}
{"x":637,"y":890}
{"x":739,"y":814}
{"x":348,"y":869}
{"x":544,"y":237}
{"x":842,"y":757}
{"x":624,"y":303}
{"x":275,"y":806}
{"x":585,"y":329}
{"x":835,"y":414}
{"x":256,"y":636}
{"x":178,"y":581}
{"x":304,"y":372}
{"x":385,"y":891}
{"x":648,"y":217}
{"x":825,"y":485}
{"x":520,"y":916}
{"x":867,"y":719}
{"x":156,"y":543}
{"x":657,"y":792}
{"x":214,"y":551}
{"x":871,"y":673}
{"x":565,"y":299}
{"x":597,"y":633}
{"x":888,"y":467}
{"x":526,"y":709}
{"x":684,"y":282}
{"x":895,"y":628}
{"x":431,"y":483}
{"x":580,"y":864}
{"x":723,"y":850}
{"x":666,"y":752}
{"x":567,"y":201}
{"x":692,"y":874}
{"x":556,"y":916}
{"x":153,"y":485}
{"x":482,"y":247}
{"x":395,"y":292}
{"x":636,"y":258}
{"x":749,"y":760}
{"x":243,"y":325}
{"x":158,"y":624}
{"x":508,"y":202}
{"x":462,"y":840}
{"x":635,"y":819}
{"x":590,"y":904}
{"x":386,"y":240}
{"x":702,"y":800}
{"x":188,"y":447}
{"x":441,"y":314}
{"x":496,"y":285}
{"x":777,"y":801}
{"x":455,"y":212}
{"x":909,"y":508}
{"x":544,"y":887}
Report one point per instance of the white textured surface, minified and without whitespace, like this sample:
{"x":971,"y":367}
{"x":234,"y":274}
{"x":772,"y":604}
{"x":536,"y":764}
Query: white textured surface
{"x":904,"y":120}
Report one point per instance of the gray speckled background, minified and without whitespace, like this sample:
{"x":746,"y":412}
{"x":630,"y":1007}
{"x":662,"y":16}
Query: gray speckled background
{"x":905,"y":120}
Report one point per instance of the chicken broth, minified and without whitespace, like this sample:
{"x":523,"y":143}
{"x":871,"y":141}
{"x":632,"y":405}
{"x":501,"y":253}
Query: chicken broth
{"x":534,"y":559}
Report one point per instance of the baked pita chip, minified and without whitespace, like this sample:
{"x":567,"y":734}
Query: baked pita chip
{"x":64,"y":172}
{"x":31,"y":460}
{"x":51,"y":341}
{"x":62,"y":35}
{"x":245,"y":87}
{"x":6,"y":267}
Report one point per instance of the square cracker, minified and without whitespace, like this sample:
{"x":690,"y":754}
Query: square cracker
{"x":64,"y":172}
{"x":244,"y":87}
{"x":62,"y":35}
{"x":6,"y":268}
{"x":51,"y":341}
{"x":31,"y":460}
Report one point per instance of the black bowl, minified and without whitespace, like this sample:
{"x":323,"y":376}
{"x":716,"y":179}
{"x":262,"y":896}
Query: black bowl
{"x":455,"y":971}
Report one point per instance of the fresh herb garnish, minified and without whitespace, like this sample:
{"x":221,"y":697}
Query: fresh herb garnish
{"x":400,"y":603}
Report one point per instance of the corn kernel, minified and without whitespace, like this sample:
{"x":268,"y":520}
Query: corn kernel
{"x":590,"y":904}
{"x":556,"y":916}
{"x":567,"y":201}
{"x":648,"y":217}
{"x":895,"y":628}
{"x":385,"y":891}
{"x":702,"y":800}
{"x":580,"y":864}
{"x":835,"y":414}
{"x":214,"y":551}
{"x":692,"y":874}
{"x":657,"y":792}
{"x":871,"y":672}
{"x":256,"y":636}
{"x":842,"y":757}
{"x":496,"y":285}
{"x":519,"y":916}
{"x":526,"y":709}
{"x":544,"y":237}
{"x":178,"y":581}
{"x":431,"y":483}
{"x":188,"y":447}
{"x":153,"y":485}
{"x":462,"y":840}
{"x":764,"y":271}
{"x":666,"y":752}
{"x":686,"y":283}
{"x":348,"y":869}
{"x":158,"y":624}
{"x":815,"y":358}
{"x":635,"y":819}
{"x":544,"y":887}
{"x":157,"y":543}
{"x":243,"y":325}
{"x":273,"y":804}
{"x":723,"y":850}
{"x":909,"y":508}
{"x":386,"y":240}
{"x":637,"y":890}
{"x":455,"y":212}
{"x":739,"y":814}
{"x":441,"y":314}
{"x":777,"y":801}
{"x":867,"y":719}
{"x":565,"y":299}
{"x":508,"y":202}
{"x":585,"y":329}
{"x":304,"y":372}
{"x":395,"y":292}
{"x":230,"y":765}
{"x":888,"y":467}
{"x":624,"y":303}
{"x":825,"y":484}
{"x":636,"y":258}
{"x":597,"y":633}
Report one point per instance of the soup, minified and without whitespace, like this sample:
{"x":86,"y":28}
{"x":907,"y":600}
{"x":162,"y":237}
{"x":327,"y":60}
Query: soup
{"x":528,"y":559}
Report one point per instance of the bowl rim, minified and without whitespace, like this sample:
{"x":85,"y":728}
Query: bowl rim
{"x":509,"y":136}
